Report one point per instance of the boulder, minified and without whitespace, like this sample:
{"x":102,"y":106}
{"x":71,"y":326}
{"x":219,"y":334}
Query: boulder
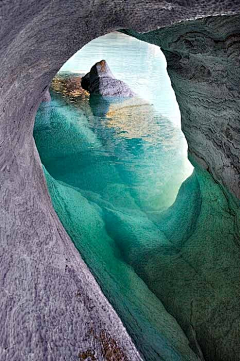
{"x":101,"y":81}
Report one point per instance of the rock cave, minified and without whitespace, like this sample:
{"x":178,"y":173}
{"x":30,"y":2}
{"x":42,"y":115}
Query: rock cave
{"x":52,"y":306}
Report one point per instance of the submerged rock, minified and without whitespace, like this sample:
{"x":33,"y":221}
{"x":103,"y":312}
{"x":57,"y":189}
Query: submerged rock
{"x":101,"y":81}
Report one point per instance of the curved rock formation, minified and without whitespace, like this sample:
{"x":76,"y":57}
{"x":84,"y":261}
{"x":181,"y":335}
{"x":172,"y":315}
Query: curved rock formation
{"x":100,"y":81}
{"x":51,"y":307}
{"x":203,"y":64}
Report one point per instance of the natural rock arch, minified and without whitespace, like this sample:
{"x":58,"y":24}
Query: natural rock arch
{"x":38,"y":261}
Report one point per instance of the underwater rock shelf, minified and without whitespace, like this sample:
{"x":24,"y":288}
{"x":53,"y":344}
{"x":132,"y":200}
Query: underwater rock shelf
{"x":51,"y":306}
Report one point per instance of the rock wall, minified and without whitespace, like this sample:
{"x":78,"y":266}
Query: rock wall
{"x":51,"y":307}
{"x":203,"y":64}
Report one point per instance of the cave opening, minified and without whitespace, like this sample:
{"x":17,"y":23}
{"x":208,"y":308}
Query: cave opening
{"x":184,"y":295}
{"x":157,"y":257}
{"x":143,"y":124}
{"x":113,"y":168}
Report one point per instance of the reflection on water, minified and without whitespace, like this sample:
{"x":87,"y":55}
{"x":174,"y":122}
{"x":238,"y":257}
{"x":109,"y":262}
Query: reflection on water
{"x":111,"y":166}
{"x":149,"y":152}
{"x":142,"y":66}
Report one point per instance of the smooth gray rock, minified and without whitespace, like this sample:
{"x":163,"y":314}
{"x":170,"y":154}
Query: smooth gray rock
{"x":51,"y":307}
{"x":100,"y":81}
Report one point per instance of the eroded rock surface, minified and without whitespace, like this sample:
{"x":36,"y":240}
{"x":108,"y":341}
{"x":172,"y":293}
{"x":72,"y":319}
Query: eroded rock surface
{"x":203,"y":64}
{"x":203,"y":58}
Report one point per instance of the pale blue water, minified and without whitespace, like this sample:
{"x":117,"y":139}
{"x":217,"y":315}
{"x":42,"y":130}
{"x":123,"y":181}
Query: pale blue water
{"x":110,"y":177}
{"x":142,"y":66}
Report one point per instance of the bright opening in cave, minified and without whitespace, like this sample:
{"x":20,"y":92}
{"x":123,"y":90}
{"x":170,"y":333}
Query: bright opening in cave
{"x":113,"y":169}
{"x":142,"y":135}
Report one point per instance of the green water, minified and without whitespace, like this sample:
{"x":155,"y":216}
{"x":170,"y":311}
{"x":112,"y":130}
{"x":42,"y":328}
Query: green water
{"x":110,"y":178}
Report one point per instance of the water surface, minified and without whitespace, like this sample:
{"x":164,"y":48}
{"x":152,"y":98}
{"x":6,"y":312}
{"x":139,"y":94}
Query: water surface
{"x":110,"y":176}
{"x":141,"y":65}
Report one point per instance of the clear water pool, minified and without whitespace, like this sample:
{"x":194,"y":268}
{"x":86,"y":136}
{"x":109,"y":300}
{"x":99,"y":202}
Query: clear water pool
{"x":111,"y":176}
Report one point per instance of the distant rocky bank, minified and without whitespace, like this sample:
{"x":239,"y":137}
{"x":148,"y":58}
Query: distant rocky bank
{"x":69,"y":85}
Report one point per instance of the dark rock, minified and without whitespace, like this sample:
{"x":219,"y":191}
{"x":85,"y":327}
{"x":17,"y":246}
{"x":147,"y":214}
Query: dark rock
{"x":100,"y":81}
{"x":85,"y":82}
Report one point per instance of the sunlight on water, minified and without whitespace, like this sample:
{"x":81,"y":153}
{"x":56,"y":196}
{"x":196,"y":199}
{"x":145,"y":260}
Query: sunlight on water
{"x":111,"y":167}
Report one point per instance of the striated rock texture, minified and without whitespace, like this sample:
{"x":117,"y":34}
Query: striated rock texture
{"x":51,"y":307}
{"x":203,"y":60}
{"x":203,"y":64}
{"x":100,"y":81}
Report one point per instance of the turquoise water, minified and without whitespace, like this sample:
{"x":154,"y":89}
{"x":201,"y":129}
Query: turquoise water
{"x":110,"y":178}
{"x":142,"y":66}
